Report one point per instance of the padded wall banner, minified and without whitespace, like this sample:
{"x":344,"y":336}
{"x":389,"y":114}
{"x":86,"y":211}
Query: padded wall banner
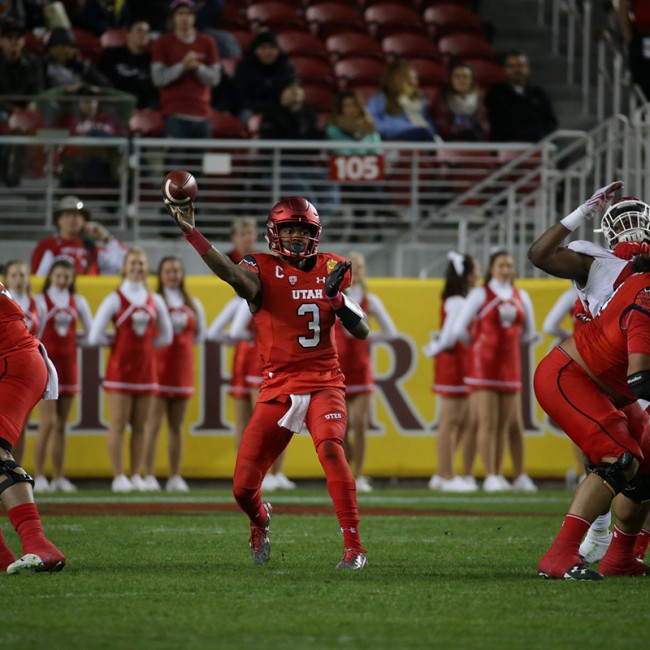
{"x":402,"y":437}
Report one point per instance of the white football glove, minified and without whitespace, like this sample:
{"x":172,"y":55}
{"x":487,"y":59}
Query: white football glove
{"x":597,"y":202}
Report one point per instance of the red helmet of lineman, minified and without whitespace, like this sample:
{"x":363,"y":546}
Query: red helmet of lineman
{"x":290,"y":211}
{"x":627,"y":220}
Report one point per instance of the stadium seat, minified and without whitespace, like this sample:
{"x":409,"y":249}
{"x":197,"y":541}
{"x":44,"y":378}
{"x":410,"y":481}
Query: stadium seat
{"x":244,"y":37}
{"x":465,"y":46}
{"x":294,"y":43}
{"x":408,"y":46}
{"x":113,"y":38}
{"x":315,"y":71}
{"x":409,"y":4}
{"x":342,"y":46}
{"x":147,"y":123}
{"x":487,"y":72}
{"x":365,"y":91}
{"x":233,"y":17}
{"x":333,"y":18}
{"x":386,"y":19}
{"x":34,"y":44}
{"x":318,"y":97}
{"x":354,"y":71}
{"x":464,"y":168}
{"x":423,"y":4}
{"x":89,"y":45}
{"x":429,"y":72}
{"x":229,"y":65}
{"x":227,"y":126}
{"x":432,"y":94}
{"x":444,"y":19}
{"x":277,"y":16}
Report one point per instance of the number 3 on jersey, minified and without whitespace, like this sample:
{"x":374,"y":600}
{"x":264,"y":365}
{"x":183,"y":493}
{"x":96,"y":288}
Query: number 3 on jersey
{"x":311,"y":311}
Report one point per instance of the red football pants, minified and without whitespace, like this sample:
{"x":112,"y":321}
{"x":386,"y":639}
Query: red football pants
{"x":23,"y":377}
{"x":587,"y":414}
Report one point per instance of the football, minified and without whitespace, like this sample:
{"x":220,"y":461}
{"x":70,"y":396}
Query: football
{"x":179,"y":187}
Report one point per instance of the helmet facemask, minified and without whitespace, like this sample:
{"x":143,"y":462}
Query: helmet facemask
{"x":294,"y":211}
{"x":627,"y":220}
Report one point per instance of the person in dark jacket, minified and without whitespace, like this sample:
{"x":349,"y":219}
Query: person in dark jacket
{"x":260,"y":76}
{"x":519,"y":111}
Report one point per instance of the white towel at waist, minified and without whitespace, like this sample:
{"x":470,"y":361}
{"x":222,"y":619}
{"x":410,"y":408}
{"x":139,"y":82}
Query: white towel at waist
{"x":294,"y":418}
{"x":52,"y":386}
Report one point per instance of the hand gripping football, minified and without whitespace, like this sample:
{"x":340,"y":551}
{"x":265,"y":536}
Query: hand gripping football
{"x":179,"y":187}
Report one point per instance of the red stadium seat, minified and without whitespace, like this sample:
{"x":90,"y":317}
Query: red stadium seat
{"x":487,"y":72}
{"x":365,"y":91}
{"x":341,"y":46}
{"x":34,"y":44}
{"x":386,"y":19}
{"x":147,"y":123}
{"x":429,"y":72}
{"x":295,"y":43}
{"x":355,"y":71}
{"x":332,"y":18}
{"x":277,"y":16}
{"x":244,"y":37}
{"x":444,"y":19}
{"x":423,"y":4}
{"x":227,"y":126}
{"x":464,"y":168}
{"x":89,"y":45}
{"x":233,"y":17}
{"x":113,"y":38}
{"x":314,"y":71}
{"x":409,"y":46}
{"x":465,"y":46}
{"x":318,"y":97}
{"x":409,"y":4}
{"x":432,"y":94}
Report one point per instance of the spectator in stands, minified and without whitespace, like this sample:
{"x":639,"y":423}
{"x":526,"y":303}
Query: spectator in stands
{"x":460,"y":114}
{"x":634,"y":22}
{"x":260,"y":76}
{"x":129,"y":66}
{"x":399,"y":109}
{"x":87,"y":244}
{"x":64,"y":65}
{"x":351,"y":122}
{"x":185,"y":67}
{"x":289,"y":119}
{"x":21,"y":73}
{"x":518,"y":111}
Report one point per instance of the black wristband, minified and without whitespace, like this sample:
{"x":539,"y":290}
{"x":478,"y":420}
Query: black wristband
{"x":639,"y":383}
{"x":349,"y":314}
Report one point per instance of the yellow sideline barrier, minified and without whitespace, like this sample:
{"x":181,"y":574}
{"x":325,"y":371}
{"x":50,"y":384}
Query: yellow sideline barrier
{"x":402,"y":440}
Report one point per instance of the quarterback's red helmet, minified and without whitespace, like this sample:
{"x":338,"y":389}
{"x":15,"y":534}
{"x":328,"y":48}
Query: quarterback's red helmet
{"x":627,"y":220}
{"x":293,"y":210}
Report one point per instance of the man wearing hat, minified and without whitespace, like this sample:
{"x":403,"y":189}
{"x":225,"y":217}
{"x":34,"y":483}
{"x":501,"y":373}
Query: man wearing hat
{"x":85,"y":243}
{"x":185,"y":66}
{"x":261,"y":74}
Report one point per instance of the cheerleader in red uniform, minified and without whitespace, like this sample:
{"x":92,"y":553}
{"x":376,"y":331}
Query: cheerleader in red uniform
{"x":63,"y":312}
{"x":502,"y":318}
{"x":355,"y":359}
{"x":175,"y":370}
{"x":17,"y":281}
{"x":451,"y":359}
{"x":141,"y":323}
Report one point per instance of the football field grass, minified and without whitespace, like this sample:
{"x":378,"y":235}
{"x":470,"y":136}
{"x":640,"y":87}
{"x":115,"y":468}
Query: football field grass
{"x":165,"y":572}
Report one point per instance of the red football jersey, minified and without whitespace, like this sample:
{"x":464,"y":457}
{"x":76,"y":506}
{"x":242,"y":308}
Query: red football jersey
{"x":14,"y":335}
{"x":295,"y":326}
{"x":622,"y":327}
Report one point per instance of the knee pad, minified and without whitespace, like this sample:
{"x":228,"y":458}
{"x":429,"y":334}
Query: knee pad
{"x":11,"y":477}
{"x":638,"y":488}
{"x":614,"y":474}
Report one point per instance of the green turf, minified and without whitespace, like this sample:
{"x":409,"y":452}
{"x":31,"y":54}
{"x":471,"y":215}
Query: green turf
{"x":184,"y":580}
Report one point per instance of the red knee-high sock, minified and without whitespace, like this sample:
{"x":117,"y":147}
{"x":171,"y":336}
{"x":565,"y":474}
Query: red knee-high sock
{"x":619,"y":559}
{"x":6,"y":554}
{"x":246,"y":490}
{"x":641,"y":544}
{"x":342,"y":490}
{"x":28,"y":525}
{"x":563,"y":553}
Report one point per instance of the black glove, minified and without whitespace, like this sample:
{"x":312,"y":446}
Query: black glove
{"x":335,"y":278}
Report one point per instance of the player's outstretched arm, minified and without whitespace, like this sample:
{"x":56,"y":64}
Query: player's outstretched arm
{"x":547,"y":254}
{"x":348,"y":311}
{"x":243,"y":281}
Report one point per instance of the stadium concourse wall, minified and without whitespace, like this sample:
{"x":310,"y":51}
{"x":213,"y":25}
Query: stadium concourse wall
{"x":404,"y":410}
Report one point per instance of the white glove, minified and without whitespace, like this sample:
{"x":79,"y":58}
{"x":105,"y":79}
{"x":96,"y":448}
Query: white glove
{"x":597,"y":202}
{"x":431,"y":349}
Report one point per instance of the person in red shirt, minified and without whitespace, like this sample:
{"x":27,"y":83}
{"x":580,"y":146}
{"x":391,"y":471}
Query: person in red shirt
{"x":295,"y":295}
{"x":16,"y":279}
{"x":175,"y":371}
{"x":87,"y":244}
{"x":27,"y":376}
{"x":589,"y":385}
{"x":185,"y":66}
{"x":63,"y":311}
